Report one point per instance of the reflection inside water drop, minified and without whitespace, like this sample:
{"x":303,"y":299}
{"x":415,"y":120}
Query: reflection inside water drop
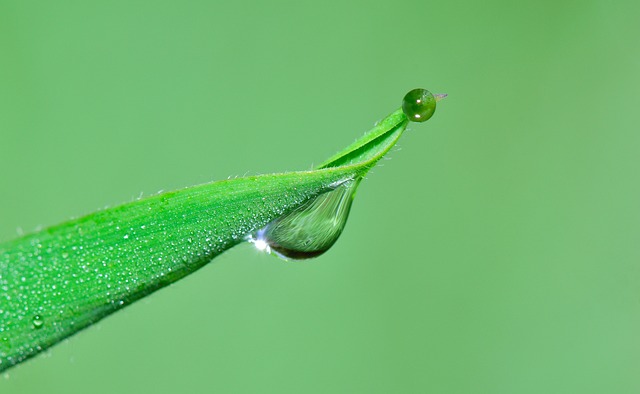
{"x":311,"y":229}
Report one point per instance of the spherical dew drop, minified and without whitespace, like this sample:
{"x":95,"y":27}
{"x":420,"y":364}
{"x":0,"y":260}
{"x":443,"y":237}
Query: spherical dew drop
{"x":419,"y":105}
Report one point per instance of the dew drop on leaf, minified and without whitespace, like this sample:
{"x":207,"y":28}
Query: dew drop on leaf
{"x":310,"y":230}
{"x":419,"y":105}
{"x":5,"y":346}
{"x":38,"y":321}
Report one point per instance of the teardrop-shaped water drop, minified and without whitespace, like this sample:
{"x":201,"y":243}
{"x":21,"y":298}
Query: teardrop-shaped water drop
{"x":312,"y":229}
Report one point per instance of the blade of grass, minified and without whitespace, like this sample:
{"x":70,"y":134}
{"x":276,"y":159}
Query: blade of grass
{"x":64,"y":278}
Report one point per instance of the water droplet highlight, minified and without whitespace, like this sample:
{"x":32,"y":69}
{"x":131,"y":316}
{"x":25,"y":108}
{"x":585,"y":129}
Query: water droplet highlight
{"x":419,"y":105}
{"x":310,"y":230}
{"x":38,"y":322}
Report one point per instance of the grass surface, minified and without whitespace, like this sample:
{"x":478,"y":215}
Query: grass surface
{"x":62,"y":279}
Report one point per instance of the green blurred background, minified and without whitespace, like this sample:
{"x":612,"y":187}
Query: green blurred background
{"x":498,"y":252}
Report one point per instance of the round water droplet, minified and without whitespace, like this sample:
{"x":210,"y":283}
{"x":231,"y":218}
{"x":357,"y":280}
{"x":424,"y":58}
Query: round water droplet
{"x":38,"y":321}
{"x":419,"y":105}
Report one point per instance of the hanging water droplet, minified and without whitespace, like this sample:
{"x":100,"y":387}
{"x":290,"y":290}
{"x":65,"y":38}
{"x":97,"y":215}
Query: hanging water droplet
{"x":38,"y":321}
{"x":311,"y":229}
{"x":420,"y":104}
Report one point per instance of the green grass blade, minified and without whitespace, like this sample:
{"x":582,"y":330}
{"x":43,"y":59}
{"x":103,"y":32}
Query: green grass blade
{"x":373,"y":145}
{"x":62,"y":279}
